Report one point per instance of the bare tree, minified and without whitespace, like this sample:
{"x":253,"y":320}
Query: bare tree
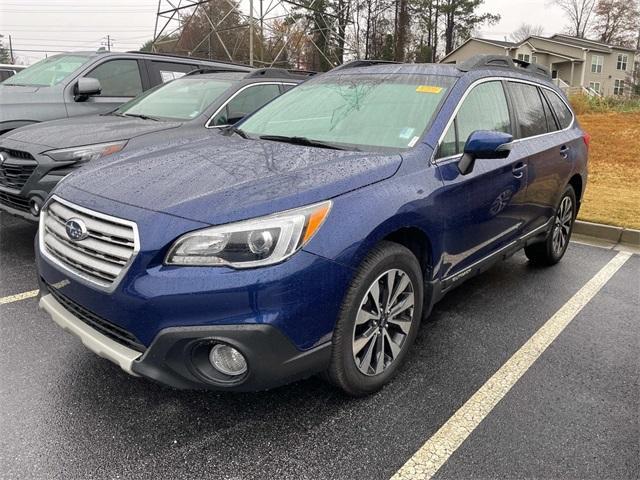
{"x":616,"y":21}
{"x":579,"y":13}
{"x":525,"y":30}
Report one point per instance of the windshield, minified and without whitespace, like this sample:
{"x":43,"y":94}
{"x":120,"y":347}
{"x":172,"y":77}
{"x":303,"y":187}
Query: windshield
{"x":48,"y":72}
{"x":388,"y":111}
{"x":182,"y":99}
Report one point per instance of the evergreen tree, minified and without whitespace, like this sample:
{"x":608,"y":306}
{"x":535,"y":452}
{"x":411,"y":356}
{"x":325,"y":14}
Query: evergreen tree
{"x":4,"y":52}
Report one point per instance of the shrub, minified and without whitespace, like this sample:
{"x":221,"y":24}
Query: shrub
{"x":584,"y":104}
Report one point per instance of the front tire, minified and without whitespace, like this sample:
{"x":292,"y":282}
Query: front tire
{"x":378,"y":320}
{"x":552,"y":249}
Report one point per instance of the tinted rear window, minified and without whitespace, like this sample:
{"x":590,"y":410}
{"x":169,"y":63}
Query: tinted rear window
{"x":564,"y":115}
{"x":528,"y":109}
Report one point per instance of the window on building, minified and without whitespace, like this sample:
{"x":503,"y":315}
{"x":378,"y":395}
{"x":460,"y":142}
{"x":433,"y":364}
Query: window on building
{"x":485,"y":108}
{"x":524,"y":57}
{"x":621,"y":64}
{"x":596,"y":63}
{"x":595,"y":86}
{"x":618,"y":87}
{"x":534,"y":59}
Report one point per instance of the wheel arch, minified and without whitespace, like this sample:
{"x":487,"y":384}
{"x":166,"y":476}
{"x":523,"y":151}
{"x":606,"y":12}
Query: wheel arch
{"x":577,"y":183}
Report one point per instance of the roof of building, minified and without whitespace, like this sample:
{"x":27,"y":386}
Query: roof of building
{"x":502,"y":43}
{"x":557,"y":38}
{"x":577,"y":41}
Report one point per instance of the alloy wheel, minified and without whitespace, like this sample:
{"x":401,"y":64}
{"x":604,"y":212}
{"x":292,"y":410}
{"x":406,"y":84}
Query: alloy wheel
{"x":562,"y":227}
{"x":383,"y":322}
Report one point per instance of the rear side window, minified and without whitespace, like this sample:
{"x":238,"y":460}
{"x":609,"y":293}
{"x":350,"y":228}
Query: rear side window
{"x":563,"y":114}
{"x":485,"y":108}
{"x":118,"y":78}
{"x":528,"y":109}
{"x":168,"y":71}
{"x":552,"y":126}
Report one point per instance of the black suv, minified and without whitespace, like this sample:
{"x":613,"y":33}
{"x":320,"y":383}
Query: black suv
{"x":82,"y":83}
{"x":35,"y":158}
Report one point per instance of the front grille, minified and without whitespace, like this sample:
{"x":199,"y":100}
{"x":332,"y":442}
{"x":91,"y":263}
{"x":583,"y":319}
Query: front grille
{"x":103,"y":326}
{"x":16,"y":169}
{"x":102,"y":257}
{"x":18,"y":154}
{"x":14,"y":201}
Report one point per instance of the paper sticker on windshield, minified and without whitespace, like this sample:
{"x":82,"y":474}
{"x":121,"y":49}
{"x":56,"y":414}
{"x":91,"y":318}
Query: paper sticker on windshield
{"x":406,"y":133}
{"x":428,"y":89}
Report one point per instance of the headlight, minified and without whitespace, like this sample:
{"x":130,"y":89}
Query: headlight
{"x":250,"y":243}
{"x":86,"y":152}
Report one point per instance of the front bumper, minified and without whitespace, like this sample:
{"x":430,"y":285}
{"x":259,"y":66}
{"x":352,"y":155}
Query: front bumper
{"x":175,"y":356}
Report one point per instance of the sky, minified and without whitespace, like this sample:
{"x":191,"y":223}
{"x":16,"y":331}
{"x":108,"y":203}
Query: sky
{"x":38,"y":27}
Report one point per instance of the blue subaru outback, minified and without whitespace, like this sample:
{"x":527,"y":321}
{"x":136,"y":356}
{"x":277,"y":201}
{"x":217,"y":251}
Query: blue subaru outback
{"x":316,"y":234}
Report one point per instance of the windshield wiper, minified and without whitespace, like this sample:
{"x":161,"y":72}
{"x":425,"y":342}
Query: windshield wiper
{"x":236,"y":130}
{"x":304,"y":141}
{"x":139,"y":115}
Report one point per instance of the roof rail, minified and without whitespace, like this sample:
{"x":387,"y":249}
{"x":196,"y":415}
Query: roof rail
{"x":202,"y":71}
{"x":186,"y":57}
{"x":271,"y":72}
{"x":480,"y":62}
{"x":362,"y":63}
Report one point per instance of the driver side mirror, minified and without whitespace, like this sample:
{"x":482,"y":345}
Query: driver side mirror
{"x":484,"y":144}
{"x":86,"y":87}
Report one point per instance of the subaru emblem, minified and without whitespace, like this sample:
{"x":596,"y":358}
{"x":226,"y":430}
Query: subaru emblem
{"x":76,"y":229}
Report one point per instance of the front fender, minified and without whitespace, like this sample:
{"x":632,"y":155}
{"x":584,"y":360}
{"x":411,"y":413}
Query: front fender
{"x":13,"y":124}
{"x":362,"y":218}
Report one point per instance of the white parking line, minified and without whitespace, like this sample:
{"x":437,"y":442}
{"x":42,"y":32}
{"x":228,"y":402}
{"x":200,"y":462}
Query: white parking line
{"x":18,"y":296}
{"x":437,"y":450}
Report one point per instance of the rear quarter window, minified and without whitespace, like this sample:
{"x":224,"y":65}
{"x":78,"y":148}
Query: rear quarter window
{"x":563,"y":114}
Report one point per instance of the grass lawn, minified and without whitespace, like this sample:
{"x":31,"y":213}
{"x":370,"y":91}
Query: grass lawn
{"x":613,"y":188}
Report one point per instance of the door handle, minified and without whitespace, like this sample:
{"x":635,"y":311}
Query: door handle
{"x":564,"y":152}
{"x":518,"y":169}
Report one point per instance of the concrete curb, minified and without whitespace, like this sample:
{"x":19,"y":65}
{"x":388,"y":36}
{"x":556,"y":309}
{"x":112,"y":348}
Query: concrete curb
{"x":607,"y":232}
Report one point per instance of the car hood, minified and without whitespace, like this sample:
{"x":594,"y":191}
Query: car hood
{"x":17,"y":94}
{"x":222,"y":179}
{"x":86,"y":130}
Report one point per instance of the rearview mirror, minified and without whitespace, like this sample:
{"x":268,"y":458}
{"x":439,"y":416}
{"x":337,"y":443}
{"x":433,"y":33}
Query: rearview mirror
{"x":86,"y":87}
{"x":484,"y":144}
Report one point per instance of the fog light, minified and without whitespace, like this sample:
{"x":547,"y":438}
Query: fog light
{"x":227,"y":360}
{"x":34,"y":206}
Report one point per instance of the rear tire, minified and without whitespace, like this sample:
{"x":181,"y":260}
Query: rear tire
{"x":552,"y":249}
{"x":378,"y":320}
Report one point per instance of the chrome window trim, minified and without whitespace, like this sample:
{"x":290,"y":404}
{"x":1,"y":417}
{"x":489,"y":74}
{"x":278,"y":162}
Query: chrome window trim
{"x":500,"y":79}
{"x":208,"y":124}
{"x":75,"y":275}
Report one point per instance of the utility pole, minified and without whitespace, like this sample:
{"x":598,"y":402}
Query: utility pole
{"x":251,"y":33}
{"x":108,"y":43}
{"x":212,"y":29}
{"x":11,"y":51}
{"x":261,"y":32}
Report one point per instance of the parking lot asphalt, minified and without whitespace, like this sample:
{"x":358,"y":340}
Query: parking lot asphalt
{"x":66,"y":413}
